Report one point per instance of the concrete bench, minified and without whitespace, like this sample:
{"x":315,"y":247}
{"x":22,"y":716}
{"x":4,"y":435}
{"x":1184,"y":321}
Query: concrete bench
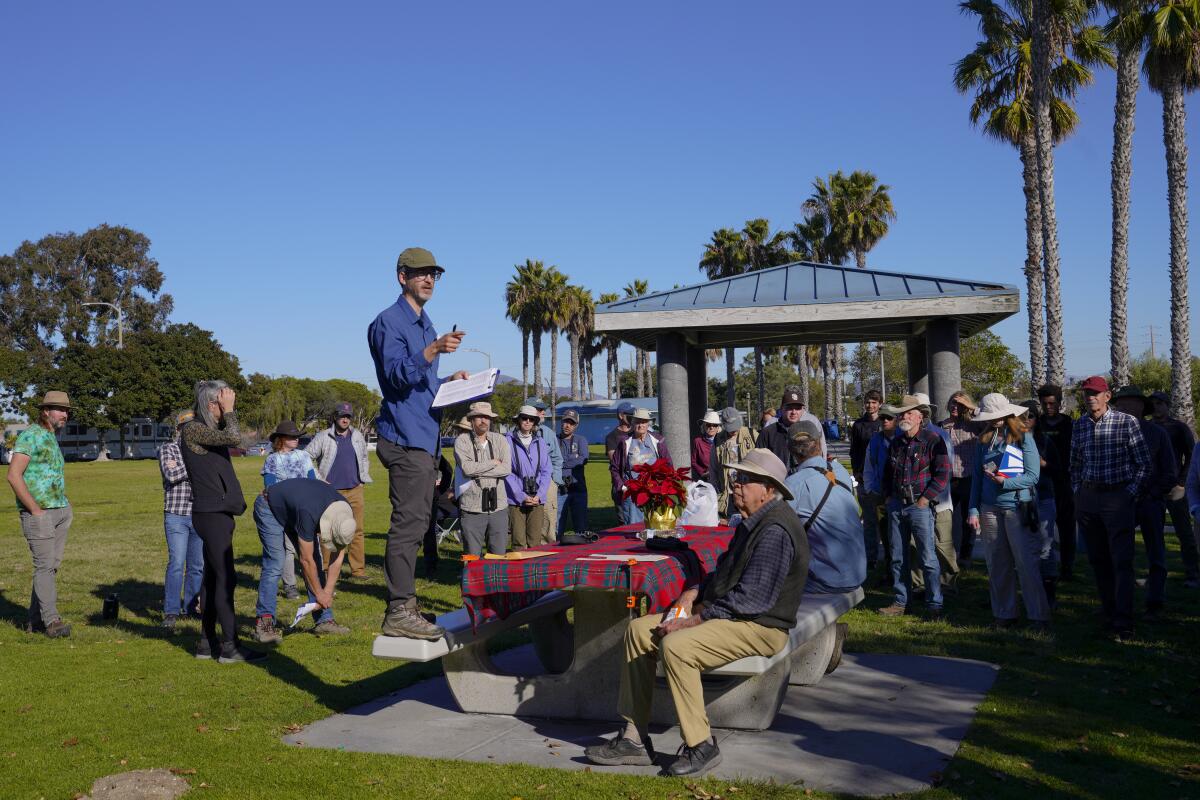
{"x":460,"y":634}
{"x":749,"y":692}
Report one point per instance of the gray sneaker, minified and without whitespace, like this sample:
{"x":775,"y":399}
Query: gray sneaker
{"x":264,"y":630}
{"x":169,"y":621}
{"x":58,"y":629}
{"x":232,"y":653}
{"x":330,"y":628}
{"x":619,"y":751}
{"x":291,"y":592}
{"x":408,"y":622}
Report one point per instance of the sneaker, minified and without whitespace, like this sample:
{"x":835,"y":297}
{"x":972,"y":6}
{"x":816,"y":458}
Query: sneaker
{"x":204,"y":649}
{"x":408,"y":622}
{"x":1121,"y":635}
{"x":264,"y":630}
{"x":291,"y":593}
{"x":169,"y":621}
{"x":234,"y":653}
{"x":330,"y":628}
{"x":620,"y":751}
{"x":58,"y":629}
{"x":894,"y":610}
{"x":934,"y":614}
{"x":694,"y":760}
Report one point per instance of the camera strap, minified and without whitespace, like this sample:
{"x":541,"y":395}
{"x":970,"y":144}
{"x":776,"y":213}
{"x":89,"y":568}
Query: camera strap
{"x":479,"y":457}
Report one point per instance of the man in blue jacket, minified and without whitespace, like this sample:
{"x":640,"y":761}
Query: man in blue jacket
{"x":405,"y":349}
{"x":574,"y":502}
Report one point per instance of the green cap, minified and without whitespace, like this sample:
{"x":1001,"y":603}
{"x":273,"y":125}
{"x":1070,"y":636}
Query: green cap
{"x":417,"y":258}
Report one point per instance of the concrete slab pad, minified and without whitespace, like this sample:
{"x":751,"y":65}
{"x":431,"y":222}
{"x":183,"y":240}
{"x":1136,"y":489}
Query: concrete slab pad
{"x":880,"y":724}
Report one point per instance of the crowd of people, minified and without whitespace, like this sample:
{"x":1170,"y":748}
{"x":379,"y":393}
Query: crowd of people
{"x":1024,"y":483}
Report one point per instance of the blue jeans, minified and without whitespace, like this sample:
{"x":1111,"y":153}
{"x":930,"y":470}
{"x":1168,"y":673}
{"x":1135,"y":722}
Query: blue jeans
{"x":629,"y":512}
{"x":272,"y":535}
{"x":185,"y":556}
{"x":573,"y":505}
{"x":321,"y":614}
{"x":916,"y":524}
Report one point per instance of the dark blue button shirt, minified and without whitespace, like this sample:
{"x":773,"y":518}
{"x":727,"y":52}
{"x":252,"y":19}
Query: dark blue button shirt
{"x":409,"y":383}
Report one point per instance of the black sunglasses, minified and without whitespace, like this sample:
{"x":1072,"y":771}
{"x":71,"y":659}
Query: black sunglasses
{"x":743,"y":477}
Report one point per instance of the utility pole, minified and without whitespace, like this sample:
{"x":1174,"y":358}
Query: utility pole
{"x":1151,"y":327}
{"x":120,"y":320}
{"x":882,"y":378}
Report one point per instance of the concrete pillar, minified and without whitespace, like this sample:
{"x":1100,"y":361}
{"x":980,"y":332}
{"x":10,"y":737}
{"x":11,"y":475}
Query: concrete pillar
{"x":918,"y":365}
{"x":697,"y":366}
{"x":945,"y":372}
{"x":673,"y":411}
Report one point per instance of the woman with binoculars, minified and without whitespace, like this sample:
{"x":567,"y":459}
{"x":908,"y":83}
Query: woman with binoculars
{"x":529,"y":480}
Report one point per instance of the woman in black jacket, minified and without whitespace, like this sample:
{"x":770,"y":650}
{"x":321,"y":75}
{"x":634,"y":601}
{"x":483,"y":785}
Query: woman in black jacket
{"x":217,"y":499}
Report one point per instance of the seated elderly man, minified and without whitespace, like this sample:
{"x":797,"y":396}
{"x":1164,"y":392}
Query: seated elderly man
{"x":745,"y":607}
{"x":823,"y":498}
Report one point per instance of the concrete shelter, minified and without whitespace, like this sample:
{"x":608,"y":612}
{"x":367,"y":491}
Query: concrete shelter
{"x":802,"y":303}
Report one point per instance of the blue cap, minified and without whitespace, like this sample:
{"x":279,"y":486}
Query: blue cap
{"x":537,"y":403}
{"x":625,"y":408}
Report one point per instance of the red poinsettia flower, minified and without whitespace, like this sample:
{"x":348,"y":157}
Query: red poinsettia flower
{"x":657,"y":485}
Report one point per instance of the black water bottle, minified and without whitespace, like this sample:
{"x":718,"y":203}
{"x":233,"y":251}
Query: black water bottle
{"x":112,"y":606}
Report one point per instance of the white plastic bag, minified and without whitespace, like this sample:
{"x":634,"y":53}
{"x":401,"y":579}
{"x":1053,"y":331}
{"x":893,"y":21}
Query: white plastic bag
{"x":701,"y":505}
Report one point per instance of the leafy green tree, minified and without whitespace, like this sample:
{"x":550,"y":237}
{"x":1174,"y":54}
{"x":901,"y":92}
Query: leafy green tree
{"x":522,"y":302}
{"x":1150,"y":373}
{"x":182,"y":355}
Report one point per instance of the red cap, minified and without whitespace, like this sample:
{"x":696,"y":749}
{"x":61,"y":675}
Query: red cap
{"x":1094,"y":384}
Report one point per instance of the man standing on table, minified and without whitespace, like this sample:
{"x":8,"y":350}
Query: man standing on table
{"x":340,"y":456}
{"x":744,"y":608}
{"x":405,"y":349}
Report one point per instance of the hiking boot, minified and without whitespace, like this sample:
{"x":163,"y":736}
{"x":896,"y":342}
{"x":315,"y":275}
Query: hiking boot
{"x":264,"y":630}
{"x":404,"y":621}
{"x":169,"y":621}
{"x":934,"y":614}
{"x":694,"y":760}
{"x":894,"y":610}
{"x":204,"y":649}
{"x":58,"y":629}
{"x":291,"y":592}
{"x":619,"y":751}
{"x":234,"y":653}
{"x":330,"y":628}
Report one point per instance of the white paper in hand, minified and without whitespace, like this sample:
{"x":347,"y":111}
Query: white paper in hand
{"x":303,"y":612}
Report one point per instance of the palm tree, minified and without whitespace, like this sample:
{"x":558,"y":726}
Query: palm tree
{"x":552,"y":303}
{"x":863,"y":210}
{"x":520,"y":297}
{"x":579,"y":310}
{"x":641,"y":368}
{"x":723,"y":258}
{"x":1172,"y":68}
{"x":1124,"y":31}
{"x":611,"y":344}
{"x":999,"y":70}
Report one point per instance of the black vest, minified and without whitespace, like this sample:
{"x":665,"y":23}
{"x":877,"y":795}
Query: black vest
{"x":734,"y":560}
{"x":215,"y":487}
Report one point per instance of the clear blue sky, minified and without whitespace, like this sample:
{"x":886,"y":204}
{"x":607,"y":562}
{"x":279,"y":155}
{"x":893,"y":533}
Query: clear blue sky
{"x":280,"y":155}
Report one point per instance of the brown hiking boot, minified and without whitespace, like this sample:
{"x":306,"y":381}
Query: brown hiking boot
{"x":264,"y":630}
{"x":407,"y":621}
{"x":57,"y":629}
{"x":894,"y":610}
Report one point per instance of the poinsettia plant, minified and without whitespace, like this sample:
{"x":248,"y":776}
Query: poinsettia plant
{"x":656,"y":486}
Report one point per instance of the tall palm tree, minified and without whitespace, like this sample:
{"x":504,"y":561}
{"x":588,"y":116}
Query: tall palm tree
{"x":611,"y":344}
{"x":863,"y":211}
{"x":552,"y":303}
{"x":521,"y":299}
{"x":1172,"y":68}
{"x":723,"y":258}
{"x":641,"y":368}
{"x":580,"y":312}
{"x":999,"y":70}
{"x":1124,"y":31}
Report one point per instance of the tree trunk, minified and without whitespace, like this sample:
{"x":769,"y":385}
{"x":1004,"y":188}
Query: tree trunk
{"x":537,"y":363}
{"x":639,"y":371}
{"x":614,"y":374}
{"x":860,"y":258}
{"x":525,"y":359}
{"x":553,"y":392}
{"x":1055,"y":355}
{"x":730,"y":374}
{"x":1175,"y":141}
{"x":802,"y":369}
{"x":573,"y":343}
{"x":1033,"y":262}
{"x":839,"y":385}
{"x":759,"y":380}
{"x":826,"y":385}
{"x":1122,"y":167}
{"x":649,"y":373}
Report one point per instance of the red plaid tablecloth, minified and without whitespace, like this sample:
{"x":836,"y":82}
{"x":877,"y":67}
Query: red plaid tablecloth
{"x":495,"y":588}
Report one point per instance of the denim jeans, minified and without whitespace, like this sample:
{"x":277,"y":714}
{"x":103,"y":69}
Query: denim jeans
{"x":916,"y":524}
{"x":270,"y":533}
{"x":573,"y":506}
{"x":629,"y":512}
{"x":321,"y":614}
{"x":185,"y":556}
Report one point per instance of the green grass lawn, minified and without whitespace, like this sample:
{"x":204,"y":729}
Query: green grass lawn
{"x":1076,"y":716}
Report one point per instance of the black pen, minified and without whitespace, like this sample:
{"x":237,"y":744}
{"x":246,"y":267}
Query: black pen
{"x":455,"y":328}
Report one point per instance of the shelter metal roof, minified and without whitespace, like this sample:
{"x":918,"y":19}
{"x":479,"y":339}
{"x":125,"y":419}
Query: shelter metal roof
{"x":807,"y":303}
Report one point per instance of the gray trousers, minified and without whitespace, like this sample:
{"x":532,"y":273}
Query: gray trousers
{"x":491,"y":528}
{"x":47,"y":538}
{"x":288,"y":572}
{"x":1013,"y":554}
{"x":412,"y":473}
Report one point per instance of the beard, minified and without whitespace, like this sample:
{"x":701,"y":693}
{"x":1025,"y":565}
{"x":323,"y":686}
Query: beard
{"x":904,"y":427}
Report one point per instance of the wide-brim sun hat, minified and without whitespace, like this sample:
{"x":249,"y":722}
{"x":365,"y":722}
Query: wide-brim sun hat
{"x":55,"y":399}
{"x":463,"y":425}
{"x":1135,"y":392}
{"x":888,"y":411}
{"x":762,"y":462}
{"x":996,"y":406}
{"x":481,"y":409}
{"x":337,"y":525}
{"x":910,"y":401}
{"x":527,"y":411}
{"x":286,"y":428}
{"x":642,"y":414}
{"x":710,"y":418}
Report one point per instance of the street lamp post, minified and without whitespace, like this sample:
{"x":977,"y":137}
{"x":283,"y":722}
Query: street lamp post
{"x":882,"y":381}
{"x":486,"y":355}
{"x":120,"y":320}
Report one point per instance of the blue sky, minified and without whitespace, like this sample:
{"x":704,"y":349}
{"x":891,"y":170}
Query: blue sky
{"x":280,"y":156}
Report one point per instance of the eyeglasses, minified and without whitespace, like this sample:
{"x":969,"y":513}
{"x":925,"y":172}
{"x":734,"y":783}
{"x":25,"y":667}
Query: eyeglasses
{"x":745,"y":477}
{"x":433,"y":274}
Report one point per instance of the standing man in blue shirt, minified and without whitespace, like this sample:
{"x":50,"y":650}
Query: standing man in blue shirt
{"x":573,"y":504}
{"x":405,"y":349}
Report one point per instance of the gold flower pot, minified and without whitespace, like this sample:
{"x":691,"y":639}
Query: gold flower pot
{"x":663,"y":518}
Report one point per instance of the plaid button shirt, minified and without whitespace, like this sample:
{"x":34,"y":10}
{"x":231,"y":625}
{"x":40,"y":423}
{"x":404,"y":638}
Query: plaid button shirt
{"x":762,"y":580}
{"x":1111,"y":449}
{"x":964,"y":436}
{"x":920,"y":463}
{"x":177,"y":489}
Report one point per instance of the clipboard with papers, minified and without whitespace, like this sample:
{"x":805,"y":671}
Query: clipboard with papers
{"x":481,"y":384}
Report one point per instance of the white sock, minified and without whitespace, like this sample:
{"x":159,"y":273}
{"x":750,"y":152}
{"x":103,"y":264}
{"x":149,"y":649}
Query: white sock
{"x":631,"y":733}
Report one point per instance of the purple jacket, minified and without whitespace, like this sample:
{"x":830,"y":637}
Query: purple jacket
{"x":534,"y":462}
{"x":618,"y":465}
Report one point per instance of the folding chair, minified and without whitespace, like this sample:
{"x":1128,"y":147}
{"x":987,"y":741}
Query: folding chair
{"x":448,"y":521}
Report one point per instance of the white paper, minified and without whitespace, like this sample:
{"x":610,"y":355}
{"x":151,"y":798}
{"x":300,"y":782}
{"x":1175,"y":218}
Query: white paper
{"x":622,"y":557}
{"x":303,"y":612}
{"x":674,"y":613}
{"x":481,"y":384}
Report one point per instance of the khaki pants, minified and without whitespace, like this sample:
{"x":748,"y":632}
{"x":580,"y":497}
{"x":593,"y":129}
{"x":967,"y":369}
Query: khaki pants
{"x":550,"y":533}
{"x":527,"y":524}
{"x":947,"y":553}
{"x":685,"y":654}
{"x":356,"y":552}
{"x":47,"y":539}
